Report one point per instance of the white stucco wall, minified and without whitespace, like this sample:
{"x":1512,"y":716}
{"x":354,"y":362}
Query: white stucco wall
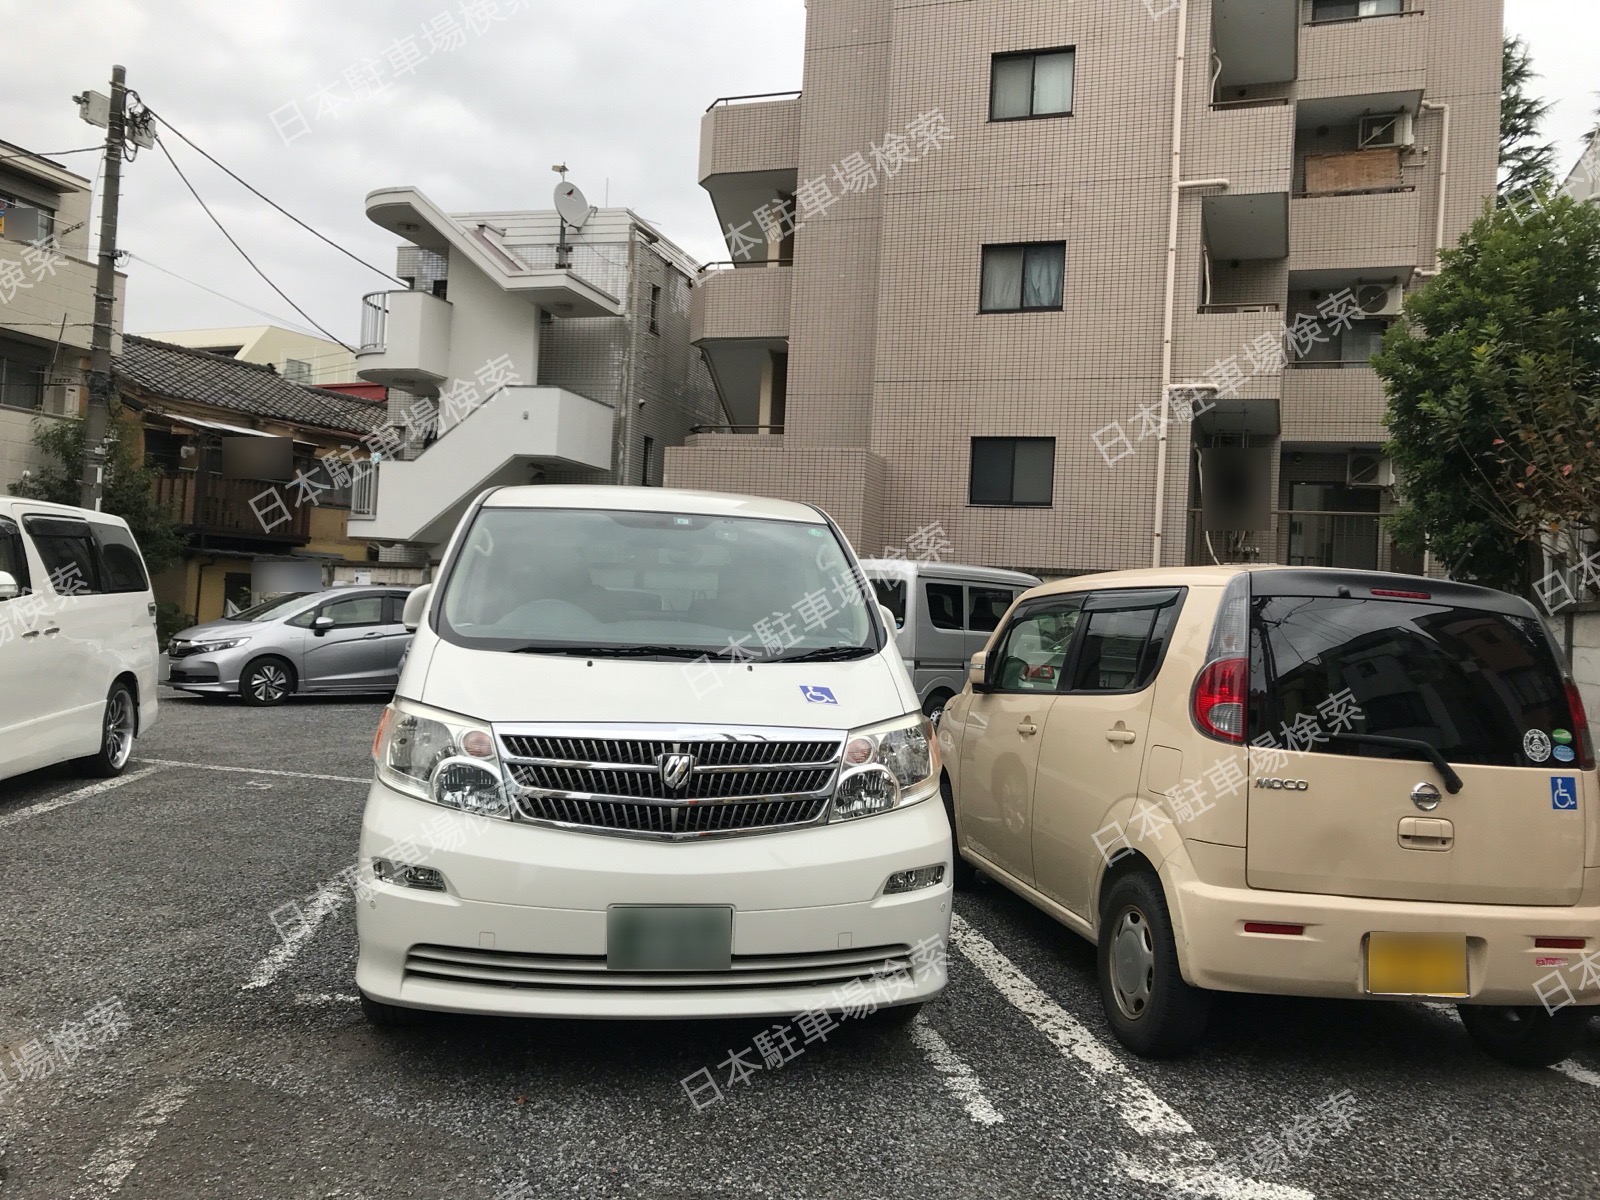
{"x":1586,"y":663}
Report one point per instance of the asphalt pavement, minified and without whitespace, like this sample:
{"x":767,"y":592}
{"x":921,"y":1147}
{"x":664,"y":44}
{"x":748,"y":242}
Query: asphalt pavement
{"x":166,"y":1031}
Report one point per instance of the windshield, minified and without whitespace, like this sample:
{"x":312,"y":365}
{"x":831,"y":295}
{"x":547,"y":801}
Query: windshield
{"x":533,"y":579}
{"x":275,"y":607}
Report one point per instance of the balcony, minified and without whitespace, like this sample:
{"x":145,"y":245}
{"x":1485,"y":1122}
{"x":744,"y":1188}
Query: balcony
{"x":405,"y":340}
{"x":739,"y":317}
{"x":1255,"y":41}
{"x":1376,"y":54}
{"x":1299,"y":538}
{"x":749,"y":152}
{"x":1338,"y":232}
{"x":1333,"y":402}
{"x":234,"y":509}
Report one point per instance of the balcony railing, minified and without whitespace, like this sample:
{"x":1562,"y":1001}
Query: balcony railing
{"x":1254,"y":307}
{"x":723,"y":101}
{"x":1297,"y":538}
{"x":364,"y":494}
{"x":374,"y":320}
{"x":236,"y":508}
{"x":768,"y":429}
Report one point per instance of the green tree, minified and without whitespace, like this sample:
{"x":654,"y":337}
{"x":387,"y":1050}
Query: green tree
{"x":1493,"y":378}
{"x":1526,"y":163}
{"x":127,"y":490}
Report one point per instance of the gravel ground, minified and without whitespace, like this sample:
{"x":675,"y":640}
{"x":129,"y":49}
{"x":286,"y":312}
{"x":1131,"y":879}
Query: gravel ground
{"x":137,"y":913}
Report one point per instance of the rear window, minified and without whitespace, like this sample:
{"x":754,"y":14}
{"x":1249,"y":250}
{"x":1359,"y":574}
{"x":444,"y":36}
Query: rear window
{"x":119,"y":555}
{"x":946,"y":605}
{"x":1482,"y":688}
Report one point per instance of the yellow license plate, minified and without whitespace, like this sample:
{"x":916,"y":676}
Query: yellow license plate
{"x":1416,"y":964}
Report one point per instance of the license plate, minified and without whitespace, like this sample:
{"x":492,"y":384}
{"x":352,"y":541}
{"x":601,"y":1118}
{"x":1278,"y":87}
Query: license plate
{"x":1416,"y":964}
{"x":650,"y":938}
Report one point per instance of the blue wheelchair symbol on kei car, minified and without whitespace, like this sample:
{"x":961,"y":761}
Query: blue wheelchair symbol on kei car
{"x":1563,"y":793}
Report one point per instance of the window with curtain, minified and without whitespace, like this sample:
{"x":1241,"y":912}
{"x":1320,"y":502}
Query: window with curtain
{"x":1022,"y":278}
{"x":1035,"y":84}
{"x":1013,"y":472}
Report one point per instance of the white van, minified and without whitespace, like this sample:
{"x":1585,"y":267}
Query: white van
{"x":653,"y":754}
{"x":944,"y":614}
{"x":78,"y":652}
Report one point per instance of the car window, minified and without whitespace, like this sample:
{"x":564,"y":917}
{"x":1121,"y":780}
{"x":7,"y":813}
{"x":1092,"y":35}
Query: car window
{"x":891,"y":593}
{"x":13,"y":555}
{"x":67,"y":550}
{"x":361,"y":610}
{"x":986,"y":607}
{"x":274,"y":608}
{"x":1033,"y":653}
{"x":122,"y":568}
{"x":1480,"y":687}
{"x":946,"y":605}
{"x":1123,"y":641}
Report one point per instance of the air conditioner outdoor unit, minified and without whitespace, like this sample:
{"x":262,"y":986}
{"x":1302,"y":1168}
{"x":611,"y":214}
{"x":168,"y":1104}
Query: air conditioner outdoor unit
{"x":1381,"y":299}
{"x":1367,"y":468}
{"x":1388,"y":131}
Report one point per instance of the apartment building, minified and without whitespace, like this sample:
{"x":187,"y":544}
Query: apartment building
{"x":47,"y":284}
{"x":524,"y":350}
{"x":970,"y":259}
{"x":298,"y":357}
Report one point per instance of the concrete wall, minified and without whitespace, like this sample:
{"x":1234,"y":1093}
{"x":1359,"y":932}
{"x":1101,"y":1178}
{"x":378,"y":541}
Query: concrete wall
{"x":489,"y":323}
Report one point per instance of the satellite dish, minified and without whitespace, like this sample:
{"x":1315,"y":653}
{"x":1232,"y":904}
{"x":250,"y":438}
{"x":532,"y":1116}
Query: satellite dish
{"x":572,"y":205}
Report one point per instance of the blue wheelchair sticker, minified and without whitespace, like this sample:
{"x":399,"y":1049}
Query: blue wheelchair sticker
{"x":818,"y":695}
{"x":1563,"y":793}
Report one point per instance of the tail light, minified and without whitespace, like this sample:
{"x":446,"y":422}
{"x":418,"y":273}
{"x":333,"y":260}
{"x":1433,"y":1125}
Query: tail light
{"x":1219,"y":699}
{"x":1583,"y":740}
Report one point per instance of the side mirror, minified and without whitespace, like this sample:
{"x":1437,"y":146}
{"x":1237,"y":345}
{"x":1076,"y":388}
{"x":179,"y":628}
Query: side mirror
{"x":8,"y":586}
{"x":416,"y":607}
{"x":978,"y":671}
{"x":321,"y":625}
{"x":889,"y":622}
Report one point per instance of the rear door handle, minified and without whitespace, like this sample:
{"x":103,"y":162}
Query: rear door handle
{"x":1123,"y":737}
{"x":31,"y":633}
{"x":1427,"y":833}
{"x":1027,"y":729}
{"x":52,"y":629}
{"x":365,"y":636}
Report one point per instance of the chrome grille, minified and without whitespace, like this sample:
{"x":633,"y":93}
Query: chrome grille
{"x":617,"y":781}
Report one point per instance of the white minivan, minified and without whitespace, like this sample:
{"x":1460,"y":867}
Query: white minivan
{"x":78,"y":652}
{"x":653,"y":754}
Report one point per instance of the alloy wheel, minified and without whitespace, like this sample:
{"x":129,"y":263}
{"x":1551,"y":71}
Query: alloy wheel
{"x":119,"y":728}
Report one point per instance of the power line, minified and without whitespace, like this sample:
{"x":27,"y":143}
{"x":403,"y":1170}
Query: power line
{"x":50,"y":153}
{"x":231,"y":241}
{"x":273,"y":203}
{"x":260,"y":312}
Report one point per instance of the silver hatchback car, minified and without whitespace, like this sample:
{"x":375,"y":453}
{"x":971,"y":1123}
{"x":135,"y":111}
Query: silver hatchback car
{"x":341,"y":640}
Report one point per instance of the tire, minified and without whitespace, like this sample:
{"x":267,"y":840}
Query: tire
{"x":266,"y":682}
{"x":119,"y":725}
{"x":1525,"y":1037}
{"x":1149,"y":1007}
{"x":389,"y":1016}
{"x":962,"y":873}
{"x":933,"y":706}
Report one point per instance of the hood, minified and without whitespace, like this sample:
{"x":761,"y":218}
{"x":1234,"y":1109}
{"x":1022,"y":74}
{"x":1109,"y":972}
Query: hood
{"x":216,"y":631}
{"x":506,"y":688}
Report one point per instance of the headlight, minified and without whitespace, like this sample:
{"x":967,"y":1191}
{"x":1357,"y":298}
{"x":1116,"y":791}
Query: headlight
{"x":887,"y":766}
{"x":440,"y":757}
{"x":210,"y":647}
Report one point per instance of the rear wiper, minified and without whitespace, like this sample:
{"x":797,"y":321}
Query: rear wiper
{"x":610,"y":651}
{"x":1452,"y":781}
{"x":827,"y":654}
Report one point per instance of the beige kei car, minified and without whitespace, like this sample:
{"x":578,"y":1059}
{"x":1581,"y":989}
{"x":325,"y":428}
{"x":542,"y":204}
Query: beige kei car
{"x":1294,"y":781}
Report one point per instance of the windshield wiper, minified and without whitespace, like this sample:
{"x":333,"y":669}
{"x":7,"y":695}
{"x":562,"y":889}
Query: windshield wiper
{"x":610,"y":651}
{"x":827,"y":654}
{"x":1452,"y":781}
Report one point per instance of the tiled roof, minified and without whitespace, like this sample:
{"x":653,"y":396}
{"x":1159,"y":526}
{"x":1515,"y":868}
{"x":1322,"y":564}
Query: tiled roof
{"x":200,"y":377}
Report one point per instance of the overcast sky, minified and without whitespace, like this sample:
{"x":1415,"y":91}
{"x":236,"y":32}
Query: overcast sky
{"x":615,"y":88}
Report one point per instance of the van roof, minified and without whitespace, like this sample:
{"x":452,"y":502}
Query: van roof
{"x":907,"y":567}
{"x":14,"y":503}
{"x":650,"y":499}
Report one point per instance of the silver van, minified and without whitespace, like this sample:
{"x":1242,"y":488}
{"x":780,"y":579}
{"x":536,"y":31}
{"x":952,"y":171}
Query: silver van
{"x":944,"y":614}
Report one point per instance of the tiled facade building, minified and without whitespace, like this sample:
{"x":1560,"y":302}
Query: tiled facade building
{"x":970,"y":325}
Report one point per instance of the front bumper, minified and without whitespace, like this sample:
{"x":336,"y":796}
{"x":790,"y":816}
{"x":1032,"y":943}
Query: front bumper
{"x":521,"y":929}
{"x":1504,"y":966}
{"x":217,"y":673}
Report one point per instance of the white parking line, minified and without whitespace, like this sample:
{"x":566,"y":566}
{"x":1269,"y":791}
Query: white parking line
{"x":83,"y":793}
{"x":327,"y":899}
{"x":319,"y":999}
{"x":958,"y":1077}
{"x":115,"y":1161}
{"x":165,"y":762}
{"x":1183,"y":1158}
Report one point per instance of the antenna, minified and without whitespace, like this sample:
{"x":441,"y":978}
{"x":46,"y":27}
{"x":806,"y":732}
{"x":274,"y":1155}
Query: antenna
{"x":573,"y":208}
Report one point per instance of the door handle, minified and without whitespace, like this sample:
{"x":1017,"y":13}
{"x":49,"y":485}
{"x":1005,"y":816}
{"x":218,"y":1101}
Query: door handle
{"x":52,"y":629}
{"x":1027,"y":729}
{"x":1123,"y":737}
{"x":31,"y":633}
{"x":1426,"y":833}
{"x":365,"y":636}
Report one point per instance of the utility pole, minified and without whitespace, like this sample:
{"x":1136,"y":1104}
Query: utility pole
{"x":97,"y":419}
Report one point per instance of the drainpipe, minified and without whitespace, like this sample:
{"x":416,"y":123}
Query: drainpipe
{"x":1440,"y":106}
{"x":1179,"y":186}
